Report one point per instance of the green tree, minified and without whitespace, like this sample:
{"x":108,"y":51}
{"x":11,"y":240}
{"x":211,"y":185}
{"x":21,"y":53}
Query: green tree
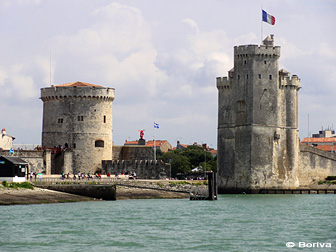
{"x":184,"y":160}
{"x":180,"y":164}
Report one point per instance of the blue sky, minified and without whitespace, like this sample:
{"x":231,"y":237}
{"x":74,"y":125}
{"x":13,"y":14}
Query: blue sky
{"x":162,"y":58}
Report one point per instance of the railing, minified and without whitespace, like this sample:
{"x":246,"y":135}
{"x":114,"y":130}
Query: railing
{"x":94,"y":180}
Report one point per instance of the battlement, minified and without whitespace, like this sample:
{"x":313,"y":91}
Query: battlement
{"x":285,"y":80}
{"x":266,"y":50}
{"x":223,"y":83}
{"x":88,"y":92}
{"x":255,"y":50}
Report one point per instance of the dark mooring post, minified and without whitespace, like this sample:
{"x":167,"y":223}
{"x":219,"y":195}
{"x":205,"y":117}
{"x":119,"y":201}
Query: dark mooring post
{"x":212,"y":186}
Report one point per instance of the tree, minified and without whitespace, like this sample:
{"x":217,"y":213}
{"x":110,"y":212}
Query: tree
{"x":184,"y":160}
{"x":180,"y":164}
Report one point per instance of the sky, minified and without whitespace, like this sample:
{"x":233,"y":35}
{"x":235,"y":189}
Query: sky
{"x":162,"y":57}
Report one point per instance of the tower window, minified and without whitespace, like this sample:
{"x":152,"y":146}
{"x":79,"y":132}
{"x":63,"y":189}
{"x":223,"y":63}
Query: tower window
{"x":265,"y":62}
{"x":60,"y":120}
{"x":99,"y":143}
{"x":270,"y":77}
{"x":104,"y":119}
{"x":244,"y":62}
{"x":74,"y":145}
{"x":238,"y":76}
{"x":246,"y":76}
{"x":259,"y":76}
{"x":80,"y":118}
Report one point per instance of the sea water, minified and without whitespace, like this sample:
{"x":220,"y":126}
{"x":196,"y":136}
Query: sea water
{"x":232,"y":223}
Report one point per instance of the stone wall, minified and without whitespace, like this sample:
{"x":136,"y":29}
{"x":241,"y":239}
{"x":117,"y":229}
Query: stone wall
{"x":39,"y":160}
{"x":132,"y":153}
{"x":315,"y":165}
{"x":144,"y":169}
{"x":80,"y":119}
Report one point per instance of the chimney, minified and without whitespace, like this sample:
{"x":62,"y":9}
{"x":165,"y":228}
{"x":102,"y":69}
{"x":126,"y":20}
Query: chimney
{"x":3,"y":131}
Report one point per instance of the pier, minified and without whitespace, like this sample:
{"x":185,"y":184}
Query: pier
{"x":205,"y":193}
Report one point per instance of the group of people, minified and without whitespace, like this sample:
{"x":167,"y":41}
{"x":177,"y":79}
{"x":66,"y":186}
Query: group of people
{"x":81,"y":175}
{"x":34,"y":174}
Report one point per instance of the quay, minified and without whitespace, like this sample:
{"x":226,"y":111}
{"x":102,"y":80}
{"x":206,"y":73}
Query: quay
{"x":115,"y":188}
{"x":298,"y":191}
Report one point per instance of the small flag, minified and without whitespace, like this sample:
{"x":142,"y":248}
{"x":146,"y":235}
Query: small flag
{"x":156,"y":125}
{"x":268,"y":18}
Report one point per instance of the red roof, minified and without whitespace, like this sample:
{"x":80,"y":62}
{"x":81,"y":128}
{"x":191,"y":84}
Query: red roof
{"x":319,"y":140}
{"x":131,"y":143}
{"x":158,"y":143}
{"x":78,"y":84}
{"x":325,"y":147}
{"x":213,"y":152}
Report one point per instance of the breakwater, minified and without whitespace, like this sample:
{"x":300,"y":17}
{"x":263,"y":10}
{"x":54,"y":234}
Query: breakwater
{"x":120,"y":189}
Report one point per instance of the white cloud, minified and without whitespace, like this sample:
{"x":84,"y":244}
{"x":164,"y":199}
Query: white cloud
{"x":162,"y":60}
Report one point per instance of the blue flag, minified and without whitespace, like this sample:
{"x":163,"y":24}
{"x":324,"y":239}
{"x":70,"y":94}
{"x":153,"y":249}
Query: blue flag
{"x":156,"y":125}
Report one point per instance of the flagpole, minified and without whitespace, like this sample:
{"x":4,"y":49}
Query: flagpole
{"x":261,"y":26}
{"x":154,"y":144}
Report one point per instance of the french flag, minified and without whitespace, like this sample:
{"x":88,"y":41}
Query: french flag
{"x":268,"y":18}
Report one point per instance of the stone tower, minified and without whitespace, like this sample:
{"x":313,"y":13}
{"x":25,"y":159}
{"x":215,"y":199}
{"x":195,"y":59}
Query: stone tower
{"x":258,"y":143}
{"x":78,"y":117}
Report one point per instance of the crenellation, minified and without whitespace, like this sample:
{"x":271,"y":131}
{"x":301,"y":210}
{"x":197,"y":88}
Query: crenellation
{"x":287,"y":81}
{"x":223,"y":83}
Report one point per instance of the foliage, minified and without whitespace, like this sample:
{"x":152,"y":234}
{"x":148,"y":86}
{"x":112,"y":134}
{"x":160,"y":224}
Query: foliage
{"x":328,"y":182}
{"x":179,"y":183}
{"x":180,"y":164}
{"x":14,"y":185}
{"x":184,"y":160}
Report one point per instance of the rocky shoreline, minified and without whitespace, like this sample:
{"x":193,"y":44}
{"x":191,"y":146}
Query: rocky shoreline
{"x":20,"y":196}
{"x":133,"y":190}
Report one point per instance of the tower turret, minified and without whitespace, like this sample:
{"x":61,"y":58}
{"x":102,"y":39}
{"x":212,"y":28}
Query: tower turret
{"x":78,"y":117}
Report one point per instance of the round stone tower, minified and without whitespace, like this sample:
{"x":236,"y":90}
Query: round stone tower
{"x":78,"y":118}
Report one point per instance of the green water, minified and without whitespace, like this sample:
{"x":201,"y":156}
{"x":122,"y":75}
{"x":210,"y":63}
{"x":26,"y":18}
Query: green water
{"x":233,"y":223}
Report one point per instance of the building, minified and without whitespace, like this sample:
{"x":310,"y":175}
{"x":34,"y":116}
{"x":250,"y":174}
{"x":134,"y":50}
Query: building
{"x":13,"y":169}
{"x":6,"y":141}
{"x":77,"y":126}
{"x":325,"y":140}
{"x":162,"y":145}
{"x":258,"y":142}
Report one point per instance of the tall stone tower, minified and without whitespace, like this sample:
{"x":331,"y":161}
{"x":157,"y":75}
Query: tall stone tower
{"x":78,"y":117}
{"x":258,"y":143}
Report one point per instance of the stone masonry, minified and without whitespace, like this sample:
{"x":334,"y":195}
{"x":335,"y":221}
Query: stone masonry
{"x":258,"y":141}
{"x":78,"y":118}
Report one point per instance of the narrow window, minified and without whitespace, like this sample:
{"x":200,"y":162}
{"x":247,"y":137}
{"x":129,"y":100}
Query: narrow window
{"x":238,"y":77}
{"x":80,"y":118}
{"x":60,"y":120}
{"x":99,"y":143}
{"x":265,"y":62}
{"x":104,"y":119}
{"x":259,"y":76}
{"x":74,"y":145}
{"x":244,"y":62}
{"x":270,"y":77}
{"x":246,"y":76}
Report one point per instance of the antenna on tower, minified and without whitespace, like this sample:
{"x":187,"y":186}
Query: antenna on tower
{"x":50,"y":69}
